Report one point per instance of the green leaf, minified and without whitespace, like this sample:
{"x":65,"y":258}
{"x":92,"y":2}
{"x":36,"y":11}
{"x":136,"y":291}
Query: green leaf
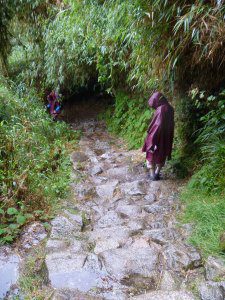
{"x":21,"y":219}
{"x":12,"y":211}
{"x":13,"y":226}
{"x":1,"y":211}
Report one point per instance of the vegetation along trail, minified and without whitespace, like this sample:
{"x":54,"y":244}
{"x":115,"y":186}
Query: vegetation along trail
{"x":117,"y":236}
{"x":79,"y":217}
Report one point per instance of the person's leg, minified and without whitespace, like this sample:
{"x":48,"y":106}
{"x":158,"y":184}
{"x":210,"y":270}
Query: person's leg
{"x":157,"y":171}
{"x":151,"y":167}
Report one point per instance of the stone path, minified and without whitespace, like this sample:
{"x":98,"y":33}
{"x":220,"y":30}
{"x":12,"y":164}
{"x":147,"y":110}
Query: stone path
{"x":118,"y":237}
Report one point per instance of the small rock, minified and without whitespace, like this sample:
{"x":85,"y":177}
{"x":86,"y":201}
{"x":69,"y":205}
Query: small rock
{"x":111,"y":218}
{"x":150,"y":198}
{"x":161,"y":236}
{"x":96,"y":170}
{"x":181,"y":257}
{"x":120,"y":173}
{"x":75,"y":217}
{"x":78,"y":156}
{"x":107,"y":190}
{"x":63,"y":228}
{"x":168,"y":282}
{"x":55,"y":245}
{"x":154,"y":208}
{"x":119,"y":234}
{"x":133,"y":188}
{"x":104,"y":245}
{"x":128,"y":210}
{"x":9,"y":269}
{"x":212,"y":291}
{"x":123,"y":262}
{"x":215,"y":268}
{"x":165,"y":295}
{"x":32,"y":235}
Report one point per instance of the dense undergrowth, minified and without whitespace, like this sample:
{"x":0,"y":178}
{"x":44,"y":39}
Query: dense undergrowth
{"x":131,"y":48}
{"x":34,"y":160}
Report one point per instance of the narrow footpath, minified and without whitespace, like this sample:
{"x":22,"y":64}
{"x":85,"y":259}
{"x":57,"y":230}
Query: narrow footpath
{"x":117,"y":237}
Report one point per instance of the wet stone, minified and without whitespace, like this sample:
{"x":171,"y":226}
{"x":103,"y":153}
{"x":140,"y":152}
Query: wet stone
{"x":124,"y":262}
{"x":169,"y":282}
{"x":161,"y":236}
{"x":111,"y":218}
{"x":96,"y":170}
{"x":215,"y":268}
{"x":104,"y":245}
{"x":150,"y":198}
{"x":181,"y":257}
{"x":165,"y":295}
{"x":128,"y":210}
{"x":65,"y":294}
{"x":119,"y":234}
{"x":133,"y":188}
{"x":212,"y":291}
{"x":107,"y":190}
{"x":63,"y":228}
{"x":9,"y":269}
{"x":74,"y":216}
{"x":56,"y":245}
{"x":120,"y":173}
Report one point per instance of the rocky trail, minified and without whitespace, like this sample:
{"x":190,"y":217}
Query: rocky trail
{"x":117,"y":237}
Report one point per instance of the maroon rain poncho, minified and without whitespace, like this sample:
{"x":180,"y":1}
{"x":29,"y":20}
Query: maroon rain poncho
{"x":159,"y":141}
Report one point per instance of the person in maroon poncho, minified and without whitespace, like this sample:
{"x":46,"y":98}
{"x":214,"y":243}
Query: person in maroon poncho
{"x":54,"y":105}
{"x":159,"y":140}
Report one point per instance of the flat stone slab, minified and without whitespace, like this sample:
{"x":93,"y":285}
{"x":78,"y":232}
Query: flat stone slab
{"x":111,"y":218}
{"x":120,"y":173}
{"x":165,"y":295}
{"x":9,"y":269}
{"x":63,"y":228}
{"x":215,"y":268}
{"x":128,"y":210}
{"x":76,"y":271}
{"x":138,"y":259}
{"x":161,"y":236}
{"x":119,"y":234}
{"x":181,"y":257}
{"x":133,"y":188}
{"x":107,"y":190}
{"x":104,"y":245}
{"x":212,"y":290}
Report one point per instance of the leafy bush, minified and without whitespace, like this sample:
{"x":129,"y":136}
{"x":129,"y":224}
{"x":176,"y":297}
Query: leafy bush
{"x":129,"y":119}
{"x":204,"y":195}
{"x":211,"y":139}
{"x":34,"y":161}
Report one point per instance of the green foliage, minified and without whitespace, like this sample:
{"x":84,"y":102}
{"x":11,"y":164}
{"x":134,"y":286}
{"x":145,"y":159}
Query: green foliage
{"x":34,"y":162}
{"x":207,"y":215}
{"x":211,"y":139}
{"x":204,"y":195}
{"x":129,"y":119}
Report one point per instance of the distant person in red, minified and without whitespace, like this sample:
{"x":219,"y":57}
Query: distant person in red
{"x":159,"y":140}
{"x":54,"y":104}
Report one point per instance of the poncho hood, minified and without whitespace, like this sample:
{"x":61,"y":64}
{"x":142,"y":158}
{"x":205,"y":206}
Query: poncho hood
{"x":156,"y":100}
